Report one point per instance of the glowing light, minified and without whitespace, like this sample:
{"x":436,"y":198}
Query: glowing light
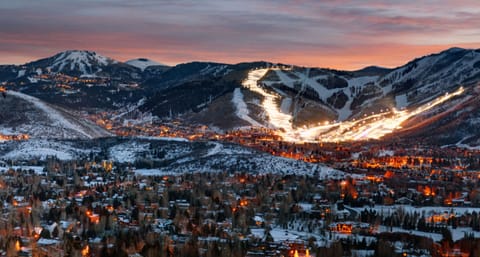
{"x":270,"y":101}
{"x":372,"y":126}
{"x":86,"y":251}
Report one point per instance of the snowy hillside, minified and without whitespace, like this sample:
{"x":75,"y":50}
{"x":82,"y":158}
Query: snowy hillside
{"x":142,"y":63}
{"x":86,"y":62}
{"x":29,"y":115}
{"x":42,"y":148}
{"x":166,"y":156}
{"x":352,"y":94}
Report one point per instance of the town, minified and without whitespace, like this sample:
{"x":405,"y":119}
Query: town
{"x":405,"y":202}
{"x":426,"y":196}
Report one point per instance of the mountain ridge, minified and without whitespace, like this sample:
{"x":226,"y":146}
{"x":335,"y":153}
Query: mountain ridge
{"x":203,"y":92}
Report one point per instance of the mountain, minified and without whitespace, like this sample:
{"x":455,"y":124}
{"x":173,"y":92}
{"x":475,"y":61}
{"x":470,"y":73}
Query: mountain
{"x":75,"y":61}
{"x":84,"y":64}
{"x":143,"y":63}
{"x":290,"y":98}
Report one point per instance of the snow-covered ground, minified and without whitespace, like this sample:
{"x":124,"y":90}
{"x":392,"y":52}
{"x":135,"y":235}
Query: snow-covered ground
{"x":270,"y":102}
{"x":219,"y":157}
{"x":457,"y":233}
{"x":42,"y":148}
{"x":241,"y":108}
{"x":127,"y":152}
{"x":215,"y":150}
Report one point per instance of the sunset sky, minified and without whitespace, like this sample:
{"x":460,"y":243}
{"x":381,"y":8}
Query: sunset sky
{"x":343,"y":34}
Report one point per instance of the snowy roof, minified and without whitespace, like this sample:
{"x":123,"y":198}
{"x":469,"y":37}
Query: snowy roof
{"x":44,"y":241}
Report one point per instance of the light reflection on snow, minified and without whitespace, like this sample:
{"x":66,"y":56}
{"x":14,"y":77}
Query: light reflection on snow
{"x":372,"y":126}
{"x":277,"y":119}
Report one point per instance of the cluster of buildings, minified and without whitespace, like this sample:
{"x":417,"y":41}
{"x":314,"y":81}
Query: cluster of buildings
{"x":82,"y":208}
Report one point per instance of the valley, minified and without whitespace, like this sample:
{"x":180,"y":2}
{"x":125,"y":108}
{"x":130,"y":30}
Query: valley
{"x":248,"y":159}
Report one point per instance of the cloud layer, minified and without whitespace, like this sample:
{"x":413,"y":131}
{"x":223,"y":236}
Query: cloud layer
{"x":344,"y":34}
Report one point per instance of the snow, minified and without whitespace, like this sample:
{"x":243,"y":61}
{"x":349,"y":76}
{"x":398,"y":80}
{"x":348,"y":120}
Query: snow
{"x":42,"y":153}
{"x":142,"y":63}
{"x":54,"y":115}
{"x":285,"y":105}
{"x":215,"y":150}
{"x":258,"y":232}
{"x":457,"y":233}
{"x":241,"y":108}
{"x":306,"y":207}
{"x":45,"y":241}
{"x":284,"y":78}
{"x":152,"y":172}
{"x":281,"y":235}
{"x":276,"y":118}
{"x":127,"y":152}
{"x":32,"y":80}
{"x":41,"y":149}
{"x":7,"y":131}
{"x":214,"y":70}
{"x":401,"y":101}
{"x":85,"y":61}
{"x":21,"y":73}
{"x":323,"y":92}
{"x":36,"y":169}
{"x":427,"y":210}
{"x":383,"y":153}
{"x":361,"y":81}
{"x":345,"y":112}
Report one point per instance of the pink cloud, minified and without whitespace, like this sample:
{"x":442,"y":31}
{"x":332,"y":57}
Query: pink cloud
{"x":342,"y":34}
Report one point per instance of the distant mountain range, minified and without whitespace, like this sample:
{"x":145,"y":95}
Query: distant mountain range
{"x":215,"y":94}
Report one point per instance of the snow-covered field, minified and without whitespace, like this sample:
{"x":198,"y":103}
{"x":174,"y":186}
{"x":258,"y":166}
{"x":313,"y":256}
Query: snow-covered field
{"x":172,"y":156}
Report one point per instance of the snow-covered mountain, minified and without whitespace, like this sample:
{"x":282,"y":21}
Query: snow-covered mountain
{"x":296,"y":97}
{"x":346,"y":95}
{"x":143,"y":63}
{"x":228,"y":96}
{"x":74,"y":61}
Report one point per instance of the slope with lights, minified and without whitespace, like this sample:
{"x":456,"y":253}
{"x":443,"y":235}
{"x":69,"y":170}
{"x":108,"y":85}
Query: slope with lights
{"x":373,"y":126}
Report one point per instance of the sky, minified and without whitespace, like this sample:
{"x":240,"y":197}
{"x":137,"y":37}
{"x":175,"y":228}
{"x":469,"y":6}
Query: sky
{"x":340,"y":34}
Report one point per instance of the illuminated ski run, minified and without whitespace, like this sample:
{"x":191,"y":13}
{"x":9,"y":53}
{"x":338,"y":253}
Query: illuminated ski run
{"x":373,"y":126}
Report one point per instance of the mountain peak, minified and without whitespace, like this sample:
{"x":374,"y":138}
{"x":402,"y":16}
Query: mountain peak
{"x":143,"y":63}
{"x":455,"y":49}
{"x":86,"y":62}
